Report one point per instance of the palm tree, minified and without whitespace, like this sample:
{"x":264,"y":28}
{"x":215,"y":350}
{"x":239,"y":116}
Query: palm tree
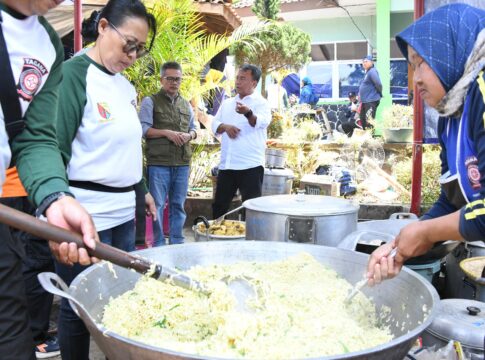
{"x":182,"y":38}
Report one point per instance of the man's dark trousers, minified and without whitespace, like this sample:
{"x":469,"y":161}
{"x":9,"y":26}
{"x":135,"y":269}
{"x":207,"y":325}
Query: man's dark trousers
{"x":249,"y":182}
{"x":15,"y":335}
{"x":368,"y":111}
{"x":38,"y":258}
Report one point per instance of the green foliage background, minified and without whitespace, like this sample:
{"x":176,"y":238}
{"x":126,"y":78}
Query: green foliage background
{"x":181,"y":37}
{"x":283,"y":46}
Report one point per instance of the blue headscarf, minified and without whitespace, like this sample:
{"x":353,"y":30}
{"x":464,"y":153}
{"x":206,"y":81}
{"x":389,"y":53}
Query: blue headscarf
{"x":306,"y":81}
{"x":444,"y":38}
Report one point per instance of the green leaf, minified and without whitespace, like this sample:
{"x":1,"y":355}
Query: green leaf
{"x":161,"y":323}
{"x":346,"y":349}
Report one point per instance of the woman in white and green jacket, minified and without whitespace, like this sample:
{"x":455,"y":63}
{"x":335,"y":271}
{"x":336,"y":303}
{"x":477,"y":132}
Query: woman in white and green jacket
{"x":100,"y":138}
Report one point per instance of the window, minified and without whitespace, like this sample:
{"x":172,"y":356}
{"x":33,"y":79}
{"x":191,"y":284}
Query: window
{"x":350,"y":77}
{"x":399,"y":79}
{"x":395,"y":52}
{"x":323,"y":52}
{"x":351,"y":50}
{"x":321,"y":76}
{"x":336,"y":68}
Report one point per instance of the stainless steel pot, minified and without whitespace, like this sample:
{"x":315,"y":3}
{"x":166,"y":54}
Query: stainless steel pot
{"x":316,"y":219}
{"x":205,"y":236}
{"x":461,"y":320}
{"x":275,"y":158}
{"x":457,"y":285}
{"x":277,"y":181}
{"x":368,"y":232}
{"x":406,"y":295}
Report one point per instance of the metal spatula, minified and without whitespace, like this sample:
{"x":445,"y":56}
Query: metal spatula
{"x":44,"y":230}
{"x":222,"y":217}
{"x":360,"y":285}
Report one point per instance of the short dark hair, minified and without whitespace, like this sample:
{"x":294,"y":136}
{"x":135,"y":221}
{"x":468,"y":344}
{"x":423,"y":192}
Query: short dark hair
{"x":169,"y":65}
{"x":255,"y":71}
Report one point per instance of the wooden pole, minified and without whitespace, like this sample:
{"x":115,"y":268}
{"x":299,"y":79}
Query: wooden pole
{"x":418,"y":135}
{"x":78,"y":19}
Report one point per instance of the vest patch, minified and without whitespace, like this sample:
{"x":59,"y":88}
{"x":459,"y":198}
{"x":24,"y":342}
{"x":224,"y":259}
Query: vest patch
{"x":30,"y":78}
{"x":473,"y":173}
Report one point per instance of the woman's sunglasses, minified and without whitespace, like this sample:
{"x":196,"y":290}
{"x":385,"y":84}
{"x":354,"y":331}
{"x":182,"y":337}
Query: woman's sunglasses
{"x":131,"y":45}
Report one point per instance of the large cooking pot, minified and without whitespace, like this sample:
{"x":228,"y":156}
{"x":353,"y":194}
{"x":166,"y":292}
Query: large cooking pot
{"x":461,"y":320}
{"x":275,"y":158}
{"x":387,"y":230}
{"x":406,"y":295}
{"x":457,"y":284}
{"x":206,"y":236}
{"x":277,"y":181}
{"x":316,"y":219}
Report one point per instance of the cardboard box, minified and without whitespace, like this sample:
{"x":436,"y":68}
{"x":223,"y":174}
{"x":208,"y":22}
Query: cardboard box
{"x":320,"y":185}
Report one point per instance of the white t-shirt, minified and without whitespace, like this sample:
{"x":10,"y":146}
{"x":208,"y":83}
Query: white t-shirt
{"x":248,"y":149}
{"x":99,"y":131}
{"x":32,"y":55}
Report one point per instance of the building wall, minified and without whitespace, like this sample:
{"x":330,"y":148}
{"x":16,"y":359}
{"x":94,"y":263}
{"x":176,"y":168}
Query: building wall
{"x":399,"y":21}
{"x":338,"y":29}
{"x":342,"y":29}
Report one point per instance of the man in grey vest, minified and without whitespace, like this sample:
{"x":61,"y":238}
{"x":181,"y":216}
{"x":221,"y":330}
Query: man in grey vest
{"x":168,"y":126}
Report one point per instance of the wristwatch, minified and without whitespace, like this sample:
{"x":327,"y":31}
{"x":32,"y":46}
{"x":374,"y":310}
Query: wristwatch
{"x":249,"y":114}
{"x":48,"y":200}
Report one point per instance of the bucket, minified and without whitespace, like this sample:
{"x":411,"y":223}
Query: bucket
{"x":427,"y":270}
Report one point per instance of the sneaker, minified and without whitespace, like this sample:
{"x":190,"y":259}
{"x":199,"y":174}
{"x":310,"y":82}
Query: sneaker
{"x":47,"y":349}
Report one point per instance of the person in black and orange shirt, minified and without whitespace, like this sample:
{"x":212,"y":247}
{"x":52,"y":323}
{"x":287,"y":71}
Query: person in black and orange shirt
{"x":34,"y":53}
{"x":38,"y":258}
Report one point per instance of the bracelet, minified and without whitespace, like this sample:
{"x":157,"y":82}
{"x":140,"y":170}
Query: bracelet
{"x":249,"y":114}
{"x":48,"y":200}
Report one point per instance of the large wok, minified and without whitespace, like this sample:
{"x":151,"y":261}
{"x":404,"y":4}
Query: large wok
{"x":407,"y":295}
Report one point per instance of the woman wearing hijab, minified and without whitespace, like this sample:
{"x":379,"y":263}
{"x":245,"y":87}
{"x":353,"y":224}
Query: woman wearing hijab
{"x":99,"y":135}
{"x":307,"y":95}
{"x":446,"y":49}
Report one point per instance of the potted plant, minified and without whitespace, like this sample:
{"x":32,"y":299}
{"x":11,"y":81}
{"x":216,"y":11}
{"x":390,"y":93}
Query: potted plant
{"x":398,"y":124}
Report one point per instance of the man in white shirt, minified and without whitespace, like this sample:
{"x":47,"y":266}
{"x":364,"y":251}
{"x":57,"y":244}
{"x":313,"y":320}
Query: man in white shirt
{"x":242,"y":122}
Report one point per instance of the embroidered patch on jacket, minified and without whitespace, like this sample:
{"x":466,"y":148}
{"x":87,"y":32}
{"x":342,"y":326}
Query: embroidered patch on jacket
{"x":473,"y":173}
{"x":30,"y":78}
{"x":104,"y":111}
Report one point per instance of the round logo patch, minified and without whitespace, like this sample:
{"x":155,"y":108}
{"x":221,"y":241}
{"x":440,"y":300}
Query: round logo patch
{"x":30,"y":79}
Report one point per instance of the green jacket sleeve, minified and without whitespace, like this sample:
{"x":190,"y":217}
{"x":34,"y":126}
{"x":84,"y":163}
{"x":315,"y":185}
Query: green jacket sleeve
{"x":35,"y":150}
{"x":72,"y":100}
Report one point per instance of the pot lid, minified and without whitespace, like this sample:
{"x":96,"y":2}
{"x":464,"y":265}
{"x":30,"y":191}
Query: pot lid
{"x":279,"y":172}
{"x":478,"y":243}
{"x":462,"y":320}
{"x":301,"y":205}
{"x":389,"y":226}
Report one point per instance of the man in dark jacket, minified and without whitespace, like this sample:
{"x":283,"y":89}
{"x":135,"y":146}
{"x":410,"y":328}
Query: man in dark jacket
{"x":370,"y":92}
